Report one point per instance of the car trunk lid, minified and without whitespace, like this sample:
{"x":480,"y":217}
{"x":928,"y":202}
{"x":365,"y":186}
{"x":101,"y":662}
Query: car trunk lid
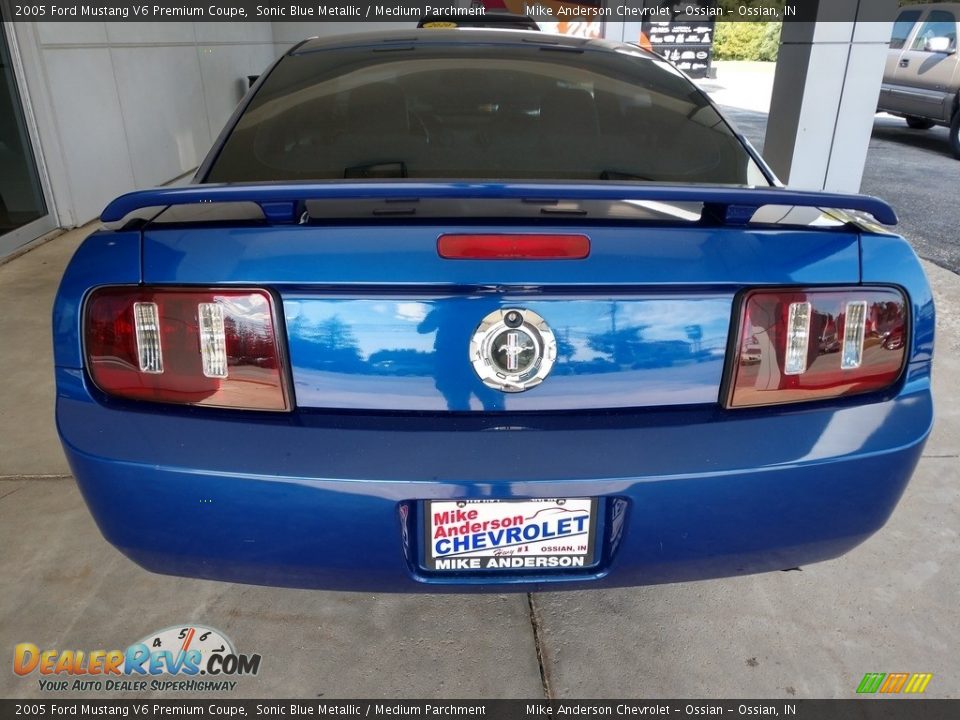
{"x":377,"y":320}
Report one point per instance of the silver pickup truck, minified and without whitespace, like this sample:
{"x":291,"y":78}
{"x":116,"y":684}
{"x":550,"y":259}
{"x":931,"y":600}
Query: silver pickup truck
{"x":921,"y":81}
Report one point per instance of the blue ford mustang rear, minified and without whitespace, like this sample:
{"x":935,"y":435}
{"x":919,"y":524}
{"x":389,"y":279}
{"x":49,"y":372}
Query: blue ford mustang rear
{"x":452,"y":310}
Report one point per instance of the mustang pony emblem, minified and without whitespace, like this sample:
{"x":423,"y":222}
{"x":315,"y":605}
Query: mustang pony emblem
{"x":517,"y":344}
{"x":513,"y":350}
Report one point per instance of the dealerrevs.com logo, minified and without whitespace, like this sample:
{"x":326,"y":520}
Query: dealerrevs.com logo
{"x":179,"y":658}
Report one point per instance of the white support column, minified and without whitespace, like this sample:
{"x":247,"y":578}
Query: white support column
{"x":825,"y":95}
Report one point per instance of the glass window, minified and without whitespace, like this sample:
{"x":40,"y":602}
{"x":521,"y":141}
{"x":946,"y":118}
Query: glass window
{"x":21,"y":199}
{"x":481,"y":111}
{"x":939,"y":24}
{"x":902,"y":28}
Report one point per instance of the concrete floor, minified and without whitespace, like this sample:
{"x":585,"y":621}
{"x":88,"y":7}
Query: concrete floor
{"x":888,"y":606}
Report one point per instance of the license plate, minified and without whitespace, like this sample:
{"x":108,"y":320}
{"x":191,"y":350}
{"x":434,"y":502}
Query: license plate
{"x":526,"y":535}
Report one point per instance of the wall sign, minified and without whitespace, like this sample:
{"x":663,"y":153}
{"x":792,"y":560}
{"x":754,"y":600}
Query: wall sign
{"x":686,"y":40}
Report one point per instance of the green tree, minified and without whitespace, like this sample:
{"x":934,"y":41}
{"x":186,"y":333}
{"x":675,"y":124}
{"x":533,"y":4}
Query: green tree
{"x":770,"y":44}
{"x":742,"y":40}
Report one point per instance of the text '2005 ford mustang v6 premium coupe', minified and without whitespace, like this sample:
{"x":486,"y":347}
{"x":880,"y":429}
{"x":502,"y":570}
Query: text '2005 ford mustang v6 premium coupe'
{"x":460,"y":309}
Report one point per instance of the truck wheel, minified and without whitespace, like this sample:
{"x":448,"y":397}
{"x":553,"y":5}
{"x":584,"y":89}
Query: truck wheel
{"x":955,"y":135}
{"x":915,"y":123}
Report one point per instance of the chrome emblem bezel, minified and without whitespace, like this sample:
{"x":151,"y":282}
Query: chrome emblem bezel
{"x":512,"y":332}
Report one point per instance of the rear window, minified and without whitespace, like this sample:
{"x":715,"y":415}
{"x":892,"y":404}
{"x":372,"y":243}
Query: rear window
{"x":484,"y":112}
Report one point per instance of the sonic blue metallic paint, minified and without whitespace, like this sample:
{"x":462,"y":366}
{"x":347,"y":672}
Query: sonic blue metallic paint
{"x":413,"y":330}
{"x":278,"y":200}
{"x":709,"y":493}
{"x":697,"y":491}
{"x":404,"y":351}
{"x":405,"y":257}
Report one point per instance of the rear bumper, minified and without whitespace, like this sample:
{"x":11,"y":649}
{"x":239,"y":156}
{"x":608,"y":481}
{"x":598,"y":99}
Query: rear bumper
{"x":317,"y":501}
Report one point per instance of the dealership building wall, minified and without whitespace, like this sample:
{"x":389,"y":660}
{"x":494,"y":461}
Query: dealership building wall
{"x":116,"y":106}
{"x":122,"y":106}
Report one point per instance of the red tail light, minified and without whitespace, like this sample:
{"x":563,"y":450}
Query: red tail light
{"x":217,"y":348}
{"x":797,"y":345}
{"x":513,"y":247}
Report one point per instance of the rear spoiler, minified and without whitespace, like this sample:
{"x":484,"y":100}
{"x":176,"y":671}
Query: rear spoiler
{"x":282,"y":202}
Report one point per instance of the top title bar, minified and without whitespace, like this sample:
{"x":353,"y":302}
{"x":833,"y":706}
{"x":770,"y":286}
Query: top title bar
{"x":411,"y":11}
